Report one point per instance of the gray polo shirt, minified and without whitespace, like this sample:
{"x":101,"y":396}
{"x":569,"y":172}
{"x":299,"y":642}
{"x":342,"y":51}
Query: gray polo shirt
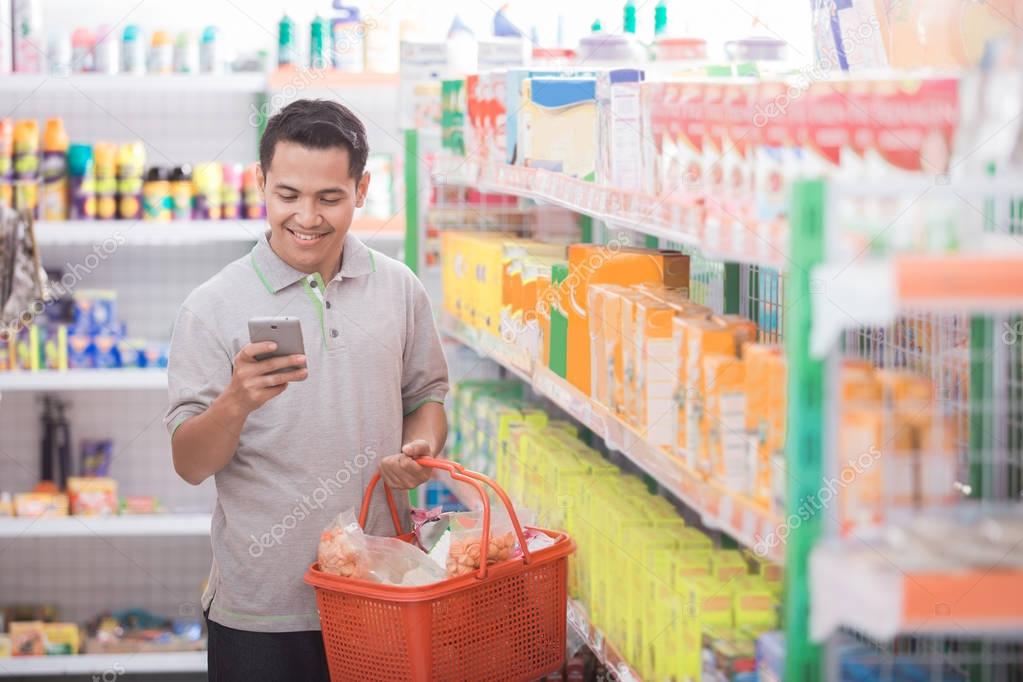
{"x":374,"y":355}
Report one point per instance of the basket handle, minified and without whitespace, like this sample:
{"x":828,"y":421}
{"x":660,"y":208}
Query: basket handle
{"x":460,"y":473}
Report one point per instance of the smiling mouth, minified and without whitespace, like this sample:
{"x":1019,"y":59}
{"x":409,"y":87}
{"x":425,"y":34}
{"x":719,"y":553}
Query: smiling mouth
{"x":305,"y":237}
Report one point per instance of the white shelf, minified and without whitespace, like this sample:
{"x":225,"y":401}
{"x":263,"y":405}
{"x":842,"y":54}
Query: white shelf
{"x":84,"y":380}
{"x":98,"y":664}
{"x":125,"y":83}
{"x":137,"y":525}
{"x":373,"y":231}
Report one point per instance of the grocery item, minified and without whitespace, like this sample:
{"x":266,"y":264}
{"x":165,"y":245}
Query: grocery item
{"x":26,"y":165}
{"x":40,"y":504}
{"x":105,"y":51}
{"x":466,"y":552}
{"x":28,"y":638}
{"x":61,"y":639}
{"x":53,"y":197}
{"x":95,"y":457}
{"x":232,"y":191}
{"x":131,"y":161}
{"x":93,"y":496}
{"x":27,"y":24}
{"x":156,"y":196}
{"x":208,"y":179}
{"x":6,"y":162}
{"x":105,"y":161}
{"x":161,"y":53}
{"x":252,"y":198}
{"x":133,"y":50}
{"x":319,"y":43}
{"x":285,"y":42}
{"x":82,"y":182}
{"x":209,"y":51}
{"x":558,"y":128}
{"x":184,"y":59}
{"x":83,"y":43}
{"x":181,"y":192}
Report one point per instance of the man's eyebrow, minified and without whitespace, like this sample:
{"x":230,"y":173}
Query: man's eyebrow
{"x":287,"y":188}
{"x":332,"y":190}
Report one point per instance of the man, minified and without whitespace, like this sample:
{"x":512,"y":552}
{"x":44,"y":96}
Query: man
{"x":290,"y":450}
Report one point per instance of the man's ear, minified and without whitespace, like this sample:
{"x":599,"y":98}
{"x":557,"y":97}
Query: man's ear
{"x":261,"y":181}
{"x":361,"y":189}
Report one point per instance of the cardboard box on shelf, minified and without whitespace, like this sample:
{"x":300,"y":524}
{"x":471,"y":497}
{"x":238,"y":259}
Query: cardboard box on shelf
{"x":726,"y":444}
{"x":558,"y":125}
{"x":657,"y":379}
{"x":594,"y":264}
{"x":619,"y":131}
{"x":604,"y":303}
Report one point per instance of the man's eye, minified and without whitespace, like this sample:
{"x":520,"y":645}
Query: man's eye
{"x":330,"y":202}
{"x":288,"y":198}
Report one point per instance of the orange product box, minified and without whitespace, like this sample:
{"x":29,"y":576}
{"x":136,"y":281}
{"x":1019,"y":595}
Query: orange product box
{"x":92,"y":496}
{"x":28,"y":638}
{"x":595,"y":264}
{"x":702,"y":338}
{"x":604,"y":305}
{"x":860,"y":479}
{"x":657,"y":376}
{"x":629,"y":354}
{"x":726,"y":450}
{"x":765,"y":411}
{"x":40,"y":504}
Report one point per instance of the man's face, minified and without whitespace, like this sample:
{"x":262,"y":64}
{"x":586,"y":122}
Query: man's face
{"x":310,"y":201}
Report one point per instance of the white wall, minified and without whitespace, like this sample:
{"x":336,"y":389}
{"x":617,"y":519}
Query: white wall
{"x":253,"y":25}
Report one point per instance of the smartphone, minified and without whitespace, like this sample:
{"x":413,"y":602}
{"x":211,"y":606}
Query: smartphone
{"x":286,"y":332}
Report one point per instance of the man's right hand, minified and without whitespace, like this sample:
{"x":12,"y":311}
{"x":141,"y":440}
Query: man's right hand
{"x":252,"y":382}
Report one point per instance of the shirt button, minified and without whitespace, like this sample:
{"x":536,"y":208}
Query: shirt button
{"x":334,"y":333}
{"x":327,"y":303}
{"x":312,"y":283}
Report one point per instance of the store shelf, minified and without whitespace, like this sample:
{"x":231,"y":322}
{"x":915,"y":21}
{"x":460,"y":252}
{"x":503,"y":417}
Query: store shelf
{"x":140,"y":525}
{"x":866,"y":588}
{"x":125,"y":83}
{"x":604,"y":650}
{"x":112,"y":665}
{"x":718,"y":507}
{"x":84,"y":380}
{"x":329,"y":78}
{"x":188,"y":232}
{"x":717,"y":230}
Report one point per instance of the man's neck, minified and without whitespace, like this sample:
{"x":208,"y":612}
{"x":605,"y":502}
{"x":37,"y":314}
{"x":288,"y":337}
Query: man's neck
{"x":327,"y":272}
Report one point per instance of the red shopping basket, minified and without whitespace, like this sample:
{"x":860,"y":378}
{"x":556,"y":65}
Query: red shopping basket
{"x":502,"y":623}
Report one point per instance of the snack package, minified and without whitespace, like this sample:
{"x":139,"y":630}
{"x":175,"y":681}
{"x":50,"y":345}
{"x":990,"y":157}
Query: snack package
{"x":347,"y":551}
{"x":467,"y":536}
{"x":92,"y":496}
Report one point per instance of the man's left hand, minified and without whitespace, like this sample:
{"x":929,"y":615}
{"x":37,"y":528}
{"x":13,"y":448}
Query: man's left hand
{"x":401,"y":471}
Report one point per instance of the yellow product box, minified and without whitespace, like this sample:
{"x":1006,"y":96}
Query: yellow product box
{"x":450,"y":254}
{"x":754,"y":604}
{"x":692,"y":564}
{"x":558,"y":125}
{"x":92,"y":496}
{"x":657,"y":372}
{"x":726,"y":564}
{"x":726,"y":446}
{"x":711,"y":601}
{"x":489,"y":273}
{"x":648,"y":568}
{"x":61,"y":639}
{"x":679,"y":657}
{"x":40,"y":504}
{"x":702,"y":338}
{"x":6,"y":648}
{"x":604,"y":306}
{"x":590,"y":264}
{"x":534,"y":333}
{"x":694,"y":540}
{"x":765,"y":412}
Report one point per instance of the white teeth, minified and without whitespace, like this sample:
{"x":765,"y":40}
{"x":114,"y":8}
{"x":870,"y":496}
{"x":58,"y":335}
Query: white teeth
{"x":305,"y":238}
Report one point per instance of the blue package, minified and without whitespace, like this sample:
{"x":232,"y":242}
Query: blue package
{"x":108,"y":355}
{"x":80,"y":351}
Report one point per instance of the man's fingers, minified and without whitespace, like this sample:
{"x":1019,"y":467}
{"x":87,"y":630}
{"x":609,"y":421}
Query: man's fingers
{"x":274,"y":364}
{"x":283,"y":378}
{"x":414,"y":473}
{"x":416,"y":448}
{"x":251,"y":350}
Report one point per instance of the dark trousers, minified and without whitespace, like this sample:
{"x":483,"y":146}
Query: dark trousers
{"x":243,"y":656}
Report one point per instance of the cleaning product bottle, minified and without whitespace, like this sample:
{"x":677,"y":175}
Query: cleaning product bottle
{"x":133,"y":51}
{"x":54,"y":196}
{"x":26,"y":165}
{"x":104,"y":155}
{"x":462,"y":48}
{"x":83,"y":44}
{"x":251,"y":198}
{"x":105,"y":52}
{"x":81,"y":174}
{"x":232,"y":190}
{"x":660,"y":19}
{"x":285,"y":42}
{"x":382,"y":45}
{"x":161,"y":53}
{"x":209,"y":51}
{"x":156,"y":197}
{"x":181,"y":192}
{"x":131,"y":161}
{"x":629,"y":17}
{"x":184,"y":53}
{"x":6,"y":162}
{"x":207,"y":179}
{"x":319,"y":43}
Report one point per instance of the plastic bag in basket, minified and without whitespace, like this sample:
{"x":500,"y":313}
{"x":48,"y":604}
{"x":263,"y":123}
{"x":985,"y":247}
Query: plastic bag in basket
{"x":466,"y":531}
{"x":347,"y":551}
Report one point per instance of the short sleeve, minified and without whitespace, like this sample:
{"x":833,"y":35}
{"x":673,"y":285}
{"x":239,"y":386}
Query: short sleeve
{"x":424,"y":370}
{"x":199,"y":369}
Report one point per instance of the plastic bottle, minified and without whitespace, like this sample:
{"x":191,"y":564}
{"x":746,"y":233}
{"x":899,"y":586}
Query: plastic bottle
{"x":6,"y":162}
{"x":26,"y":15}
{"x":104,"y":155}
{"x":207,"y":179}
{"x":6,"y":47}
{"x":83,"y":42}
{"x":82,"y":179}
{"x":131,"y":161}
{"x":231,"y":191}
{"x":133,"y":51}
{"x":105,"y":51}
{"x":58,"y":53}
{"x":156,"y":197}
{"x":348,"y":35}
{"x":629,"y":17}
{"x":462,"y":48}
{"x":161,"y":53}
{"x":660,"y":19}
{"x":53,"y":198}
{"x":252,"y":200}
{"x":209,"y":51}
{"x":181,"y":192}
{"x":26,"y":165}
{"x":381,"y":43}
{"x":184,"y":53}
{"x":319,"y":43}
{"x":285,"y":42}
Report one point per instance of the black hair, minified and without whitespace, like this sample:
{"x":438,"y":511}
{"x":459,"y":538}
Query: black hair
{"x":317,"y":124}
